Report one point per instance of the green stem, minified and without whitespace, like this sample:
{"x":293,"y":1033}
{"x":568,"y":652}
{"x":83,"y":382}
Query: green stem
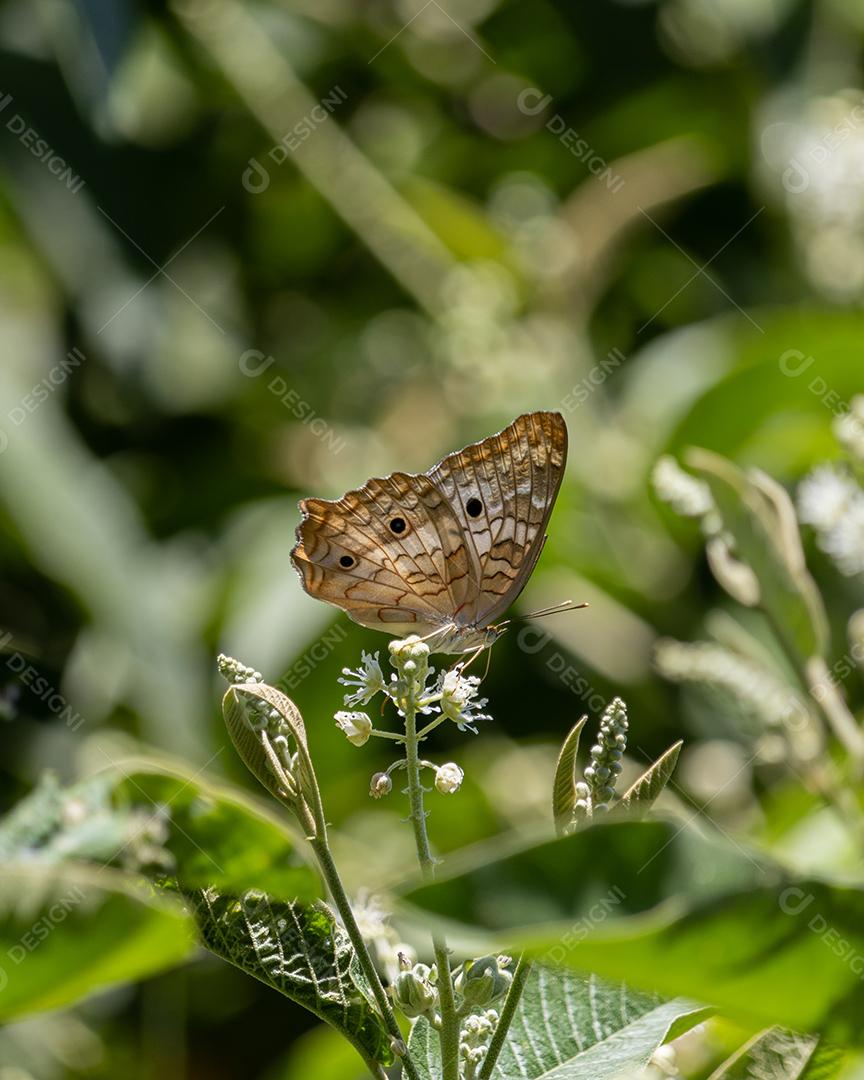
{"x":343,"y":906}
{"x":448,"y":1032}
{"x":508,"y":1011}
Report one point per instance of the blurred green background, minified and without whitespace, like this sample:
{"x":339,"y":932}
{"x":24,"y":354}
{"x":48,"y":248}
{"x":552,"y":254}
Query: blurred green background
{"x":252,"y":252}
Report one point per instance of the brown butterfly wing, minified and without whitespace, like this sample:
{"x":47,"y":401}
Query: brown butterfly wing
{"x":502,"y":491}
{"x":406,"y":581}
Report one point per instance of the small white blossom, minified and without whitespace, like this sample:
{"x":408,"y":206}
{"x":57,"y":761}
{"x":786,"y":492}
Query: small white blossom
{"x":459,"y":701}
{"x":845,"y":542}
{"x":356,"y":725}
{"x":448,"y":778}
{"x":849,"y":429}
{"x":368,"y":679}
{"x":685,"y":493}
{"x":825,"y":496}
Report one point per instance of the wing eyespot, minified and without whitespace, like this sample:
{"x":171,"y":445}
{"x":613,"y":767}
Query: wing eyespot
{"x":347,"y":561}
{"x":398,"y":525}
{"x":474,"y":508}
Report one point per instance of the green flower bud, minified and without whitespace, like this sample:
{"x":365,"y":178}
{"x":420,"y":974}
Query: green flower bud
{"x":482,"y":981}
{"x":413,"y":993}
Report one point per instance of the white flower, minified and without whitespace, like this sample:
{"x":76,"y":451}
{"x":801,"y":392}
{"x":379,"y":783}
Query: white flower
{"x":845,"y":542}
{"x":458,"y":694}
{"x":686,"y":494}
{"x":368,"y":679}
{"x":448,"y":778}
{"x":825,"y":496}
{"x":849,"y":429}
{"x":356,"y":725}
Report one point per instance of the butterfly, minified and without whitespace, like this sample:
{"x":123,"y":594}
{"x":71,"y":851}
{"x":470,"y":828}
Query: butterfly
{"x":444,"y":553}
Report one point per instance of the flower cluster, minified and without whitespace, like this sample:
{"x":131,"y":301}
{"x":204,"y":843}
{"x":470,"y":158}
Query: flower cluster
{"x":598,"y":788}
{"x":234,"y":672}
{"x":413,"y":685}
{"x":832,"y":502}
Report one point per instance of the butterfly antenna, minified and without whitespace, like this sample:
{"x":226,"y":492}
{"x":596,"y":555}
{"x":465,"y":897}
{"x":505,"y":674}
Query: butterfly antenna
{"x":567,"y":605}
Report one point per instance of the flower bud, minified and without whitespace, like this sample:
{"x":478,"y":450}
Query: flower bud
{"x":356,"y":725}
{"x":448,"y":778}
{"x":380,"y":785}
{"x":482,"y":981}
{"x":413,"y":994}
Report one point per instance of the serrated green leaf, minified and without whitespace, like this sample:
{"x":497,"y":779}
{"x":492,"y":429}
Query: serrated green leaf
{"x":68,"y":931}
{"x":572,"y":1027}
{"x":563,"y":788}
{"x":302,"y":952}
{"x":642,"y":794}
{"x":781,"y":1053}
{"x":674,"y":910}
{"x":759,"y":516}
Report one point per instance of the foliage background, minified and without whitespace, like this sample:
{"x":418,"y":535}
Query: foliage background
{"x":452,"y":265}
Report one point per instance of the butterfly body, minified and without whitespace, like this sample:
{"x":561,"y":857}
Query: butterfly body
{"x":441,"y":554}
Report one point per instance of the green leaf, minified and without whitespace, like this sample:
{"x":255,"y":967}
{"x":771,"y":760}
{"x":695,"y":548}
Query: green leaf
{"x":573,"y":1027}
{"x":217,"y":835}
{"x":668,"y":909}
{"x":781,"y":1053}
{"x":758,"y":515}
{"x":302,"y":952}
{"x":166,"y":822}
{"x":563,"y":789}
{"x":644,"y":792}
{"x":66,"y":932}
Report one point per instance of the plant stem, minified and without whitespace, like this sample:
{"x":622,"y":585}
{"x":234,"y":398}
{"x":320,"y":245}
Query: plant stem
{"x":508,"y":1011}
{"x":448,"y":1032}
{"x":343,"y":906}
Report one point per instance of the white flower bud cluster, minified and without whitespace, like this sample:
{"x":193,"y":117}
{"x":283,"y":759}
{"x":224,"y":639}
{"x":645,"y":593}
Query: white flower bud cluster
{"x":234,"y":672}
{"x":832,"y":502}
{"x":476,"y":1034}
{"x":598,"y":789}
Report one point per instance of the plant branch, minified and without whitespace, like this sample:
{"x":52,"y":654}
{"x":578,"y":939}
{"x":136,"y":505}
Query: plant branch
{"x":343,"y":906}
{"x":448,"y":1032}
{"x":508,"y":1011}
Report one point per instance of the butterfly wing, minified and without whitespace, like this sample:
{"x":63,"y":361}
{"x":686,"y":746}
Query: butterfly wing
{"x":502,"y":491}
{"x":392,"y":554}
